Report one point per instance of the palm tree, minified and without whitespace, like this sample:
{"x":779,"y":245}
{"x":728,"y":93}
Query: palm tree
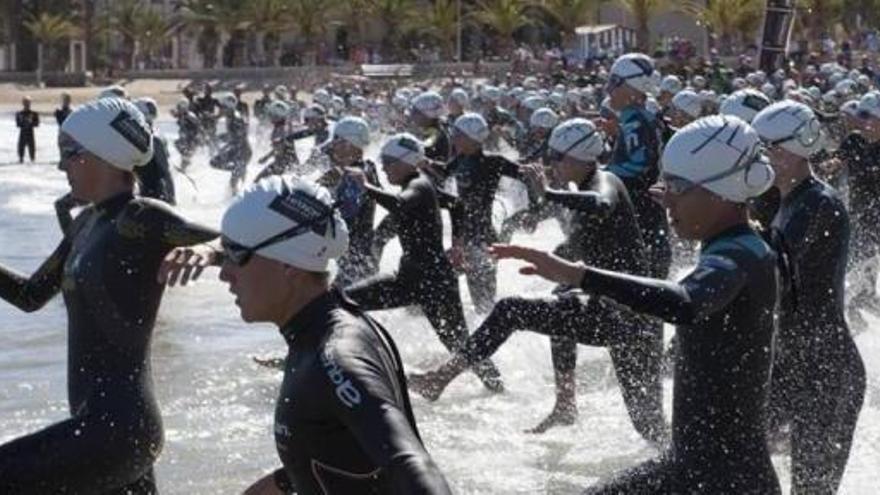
{"x":643,"y":11}
{"x":820,"y":15}
{"x":351,"y":13}
{"x":125,"y":17}
{"x":211,"y":19}
{"x":310,"y":18}
{"x":732,"y":21}
{"x":569,"y":14}
{"x":268,"y":19}
{"x":391,"y":13}
{"x":503,"y":17}
{"x":152,"y":31}
{"x":439,"y":23}
{"x":48,"y":29}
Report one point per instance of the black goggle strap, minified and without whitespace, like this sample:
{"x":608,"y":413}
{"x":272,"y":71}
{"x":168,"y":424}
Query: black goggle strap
{"x":554,"y":154}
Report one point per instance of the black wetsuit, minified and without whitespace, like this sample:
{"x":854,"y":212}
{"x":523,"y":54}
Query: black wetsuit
{"x":243,"y":109}
{"x":26,"y":121}
{"x":635,"y":159}
{"x":283,"y":152}
{"x":205,"y":109}
{"x":862,"y":160}
{"x":155,"y":177}
{"x":260,"y":107}
{"x":359,"y":212}
{"x":236,"y":152}
{"x":818,"y":375}
{"x":438,"y":149}
{"x":343,"y":420}
{"x":724,"y":315}
{"x":424,"y":276}
{"x":61,"y":114}
{"x":476,"y":178}
{"x":604,"y":233}
{"x":106,"y":267}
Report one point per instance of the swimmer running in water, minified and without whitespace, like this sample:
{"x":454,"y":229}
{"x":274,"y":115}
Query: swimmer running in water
{"x":106,"y":267}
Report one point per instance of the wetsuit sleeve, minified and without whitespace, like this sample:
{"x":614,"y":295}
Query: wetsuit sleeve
{"x":157,"y":220}
{"x":509,"y":168}
{"x":601,"y":202}
{"x":300,"y":134}
{"x":711,"y":286}
{"x":370,"y":412}
{"x":36,"y":119}
{"x":32,"y":293}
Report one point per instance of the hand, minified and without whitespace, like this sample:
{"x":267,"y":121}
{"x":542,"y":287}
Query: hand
{"x":542,"y":264}
{"x":265,"y":486}
{"x":657,"y":193}
{"x":536,"y":177}
{"x":456,"y":256}
{"x":186,"y":264}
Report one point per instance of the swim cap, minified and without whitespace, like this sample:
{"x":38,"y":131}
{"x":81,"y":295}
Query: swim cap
{"x":148,"y":107}
{"x":699,"y":82}
{"x":791,"y":125}
{"x":491,"y":93}
{"x":278,"y":110}
{"x":769,"y":90}
{"x":745,"y":104}
{"x":474,"y":126}
{"x":227,"y":101}
{"x":277,"y":204}
{"x":429,"y":104}
{"x":115,"y":91}
{"x":459,"y":96}
{"x":688,"y":102}
{"x":636,"y":70}
{"x":281,"y":92}
{"x":870,"y":104}
{"x":352,"y":129}
{"x":114,"y":130}
{"x":850,"y":108}
{"x":533,"y":103}
{"x":182,"y":105}
{"x":314,"y":112}
{"x":322,"y":97}
{"x":544,"y":118}
{"x":670,"y":84}
{"x":404,"y":147}
{"x":359,"y":102}
{"x":577,"y":138}
{"x":720,"y":153}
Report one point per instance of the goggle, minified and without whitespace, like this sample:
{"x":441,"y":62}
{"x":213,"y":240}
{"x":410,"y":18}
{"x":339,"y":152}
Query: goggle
{"x":240,"y":255}
{"x":807,"y":133}
{"x":678,"y":186}
{"x":69,"y":149}
{"x":615,"y":80}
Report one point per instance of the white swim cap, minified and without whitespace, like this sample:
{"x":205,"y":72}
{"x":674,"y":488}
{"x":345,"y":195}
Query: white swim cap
{"x":791,"y":125}
{"x":182,"y":105}
{"x":720,"y":153}
{"x":115,"y":91}
{"x":277,"y":204}
{"x":227,"y":101}
{"x":473,"y":125}
{"x":322,"y":97}
{"x":688,"y":102}
{"x":544,"y":118}
{"x":404,"y":147}
{"x":358,"y":102}
{"x":355,"y":130}
{"x":278,"y":110}
{"x":636,"y":70}
{"x":114,"y":130}
{"x":699,"y":82}
{"x":577,"y":138}
{"x":745,"y":104}
{"x":148,"y":107}
{"x":314,"y":112}
{"x":459,"y":96}
{"x":850,"y":108}
{"x":491,"y":93}
{"x":533,"y":103}
{"x":671,"y":84}
{"x":282,"y":92}
{"x":769,"y":90}
{"x":870,"y":104}
{"x":429,"y":104}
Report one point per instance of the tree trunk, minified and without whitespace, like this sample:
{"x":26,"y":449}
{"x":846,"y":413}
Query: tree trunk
{"x":643,"y":34}
{"x":39,"y":64}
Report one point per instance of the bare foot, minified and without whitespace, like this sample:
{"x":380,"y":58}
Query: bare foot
{"x":428,"y":385}
{"x":274,"y":363}
{"x":560,"y":416}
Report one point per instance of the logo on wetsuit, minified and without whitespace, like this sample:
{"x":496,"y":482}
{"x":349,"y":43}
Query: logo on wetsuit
{"x":345,"y":390}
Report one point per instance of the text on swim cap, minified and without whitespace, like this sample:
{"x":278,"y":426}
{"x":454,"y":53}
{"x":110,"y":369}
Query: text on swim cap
{"x":132,"y":131}
{"x":301,"y":207}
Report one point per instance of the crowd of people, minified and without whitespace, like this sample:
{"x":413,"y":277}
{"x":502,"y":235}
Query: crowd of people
{"x":768,"y":184}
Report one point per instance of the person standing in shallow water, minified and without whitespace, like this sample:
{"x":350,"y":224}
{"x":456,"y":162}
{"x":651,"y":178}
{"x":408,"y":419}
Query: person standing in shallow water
{"x":723,"y":310}
{"x":106,"y":268}
{"x":26,"y":120}
{"x":818,"y":376}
